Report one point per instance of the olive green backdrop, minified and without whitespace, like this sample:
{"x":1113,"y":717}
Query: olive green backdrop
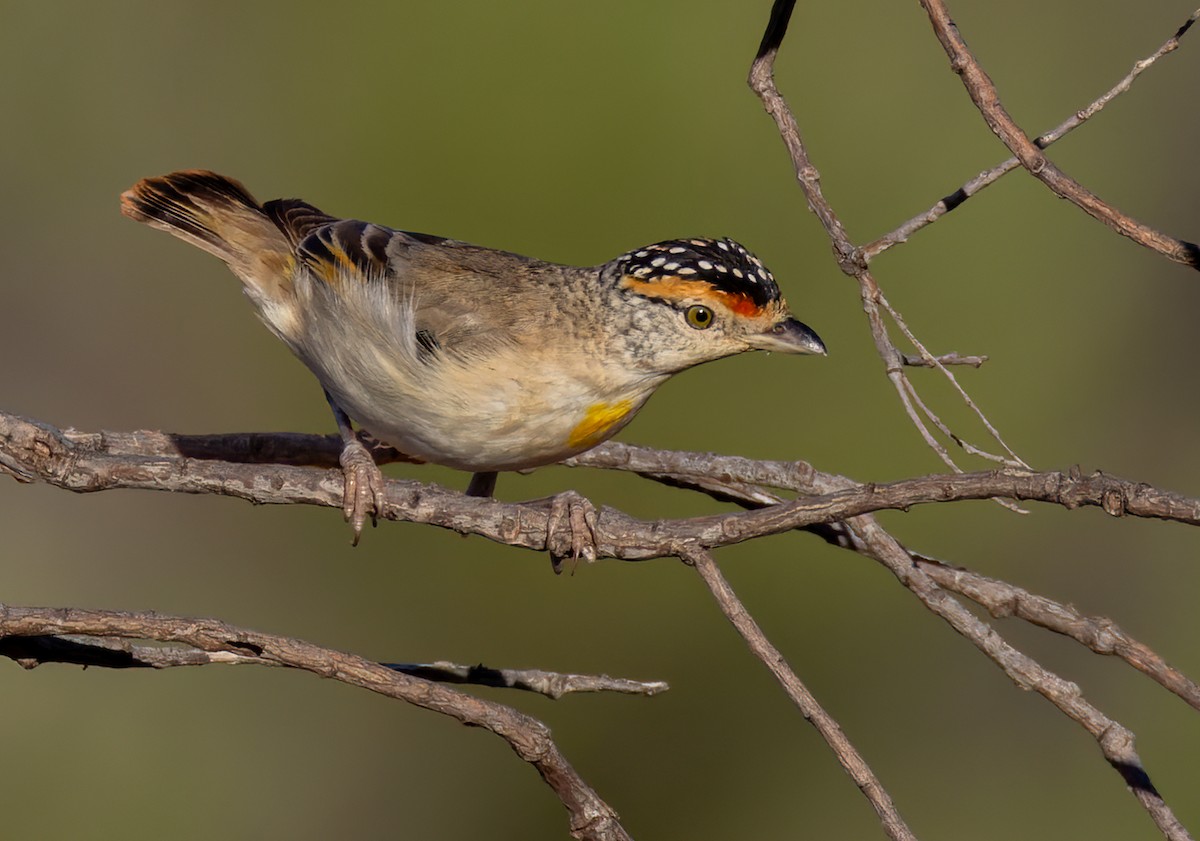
{"x":574,"y":131}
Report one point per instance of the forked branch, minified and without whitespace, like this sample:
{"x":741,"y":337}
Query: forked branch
{"x":591,"y":817}
{"x":987,"y":99}
{"x":989,"y":176}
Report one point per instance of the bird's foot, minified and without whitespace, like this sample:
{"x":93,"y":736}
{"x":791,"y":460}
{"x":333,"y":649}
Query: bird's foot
{"x":364,"y":493}
{"x":570,"y":529}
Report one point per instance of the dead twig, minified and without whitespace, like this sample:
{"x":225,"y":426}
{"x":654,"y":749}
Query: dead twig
{"x":1116,"y":742}
{"x":987,"y":99}
{"x":553,"y":685}
{"x":115,"y":653}
{"x":1042,"y":141}
{"x":590,"y":817}
{"x":81,"y":462}
{"x":1097,"y":633}
{"x":849,"y":757}
{"x":851,"y":259}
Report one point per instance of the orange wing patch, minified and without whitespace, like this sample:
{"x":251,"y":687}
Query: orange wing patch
{"x":599,"y":419}
{"x":346,"y":248}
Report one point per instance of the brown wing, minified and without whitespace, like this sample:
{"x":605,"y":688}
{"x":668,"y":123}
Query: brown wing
{"x":297,"y":219}
{"x":346,"y":248}
{"x":462,"y":296}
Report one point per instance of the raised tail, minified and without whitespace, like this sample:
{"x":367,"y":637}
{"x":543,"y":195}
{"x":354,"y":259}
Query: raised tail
{"x":217,"y":214}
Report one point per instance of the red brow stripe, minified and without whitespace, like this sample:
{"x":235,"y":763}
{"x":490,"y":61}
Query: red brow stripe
{"x":741,"y":304}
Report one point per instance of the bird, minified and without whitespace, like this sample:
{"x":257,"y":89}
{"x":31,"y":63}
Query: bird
{"x":470,"y":357}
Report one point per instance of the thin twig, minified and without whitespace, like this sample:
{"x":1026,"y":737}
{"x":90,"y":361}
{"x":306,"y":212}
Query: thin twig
{"x":952,"y":358}
{"x":1101,"y":635}
{"x":986,"y":98}
{"x":762,"y":82}
{"x":917,"y":412}
{"x":1013,"y":459}
{"x":115,"y":653}
{"x":1116,"y":742}
{"x":551,"y":684}
{"x":987,"y":177}
{"x":849,"y":257}
{"x":849,"y":757}
{"x":1000,"y":598}
{"x":590,"y":817}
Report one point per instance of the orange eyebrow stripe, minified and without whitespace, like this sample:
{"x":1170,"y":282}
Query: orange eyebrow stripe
{"x":678,"y":288}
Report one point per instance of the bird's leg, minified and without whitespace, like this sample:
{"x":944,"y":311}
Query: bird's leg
{"x":364,"y":483}
{"x":570,"y":529}
{"x":482,"y":484}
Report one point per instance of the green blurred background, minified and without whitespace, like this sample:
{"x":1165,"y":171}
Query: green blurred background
{"x":573,"y":131}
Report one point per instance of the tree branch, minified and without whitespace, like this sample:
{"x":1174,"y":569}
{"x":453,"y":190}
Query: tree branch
{"x":849,"y":757}
{"x":990,"y":176}
{"x":1099,"y":634}
{"x":115,"y":653}
{"x":1116,"y":742}
{"x":81,"y":462}
{"x":1000,"y":598}
{"x":591,"y":817}
{"x":851,"y":259}
{"x":987,"y":99}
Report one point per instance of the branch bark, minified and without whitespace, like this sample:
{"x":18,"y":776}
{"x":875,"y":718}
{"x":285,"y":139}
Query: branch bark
{"x":590,"y":817}
{"x":989,"y":176}
{"x":287,"y":469}
{"x":987,"y":99}
{"x":84,"y":463}
{"x":116,"y":653}
{"x":852,"y":761}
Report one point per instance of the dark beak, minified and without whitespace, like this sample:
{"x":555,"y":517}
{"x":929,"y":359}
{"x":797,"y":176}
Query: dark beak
{"x":789,"y":336}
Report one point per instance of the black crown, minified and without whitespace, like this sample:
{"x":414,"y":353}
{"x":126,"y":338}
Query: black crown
{"x":725,"y":264}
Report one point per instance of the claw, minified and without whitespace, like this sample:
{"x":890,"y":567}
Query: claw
{"x":364,"y":493}
{"x":364,"y":483}
{"x":570,"y":529}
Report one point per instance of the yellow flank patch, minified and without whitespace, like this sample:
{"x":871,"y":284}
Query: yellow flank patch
{"x":597,"y":421}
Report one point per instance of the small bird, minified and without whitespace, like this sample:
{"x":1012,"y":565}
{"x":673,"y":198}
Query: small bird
{"x":468,"y":357}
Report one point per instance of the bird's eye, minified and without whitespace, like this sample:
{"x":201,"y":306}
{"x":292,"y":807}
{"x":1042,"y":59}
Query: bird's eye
{"x":699,"y":317}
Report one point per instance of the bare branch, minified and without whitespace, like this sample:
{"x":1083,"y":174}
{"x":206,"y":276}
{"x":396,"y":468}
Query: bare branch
{"x":1000,"y":598}
{"x":1101,"y":635}
{"x":762,"y":82}
{"x":34,"y":451}
{"x":30,"y":450}
{"x":1116,"y":741}
{"x":987,"y":177}
{"x":983,"y":93}
{"x":115,"y":653}
{"x":591,"y":817}
{"x":31,"y":652}
{"x":952,"y":358}
{"x":553,"y":685}
{"x":922,"y":576}
{"x":1013,"y":459}
{"x":850,"y":258}
{"x":851,"y":760}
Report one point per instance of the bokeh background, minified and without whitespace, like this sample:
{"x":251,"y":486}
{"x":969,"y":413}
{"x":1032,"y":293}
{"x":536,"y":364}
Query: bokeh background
{"x":573,"y":131}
